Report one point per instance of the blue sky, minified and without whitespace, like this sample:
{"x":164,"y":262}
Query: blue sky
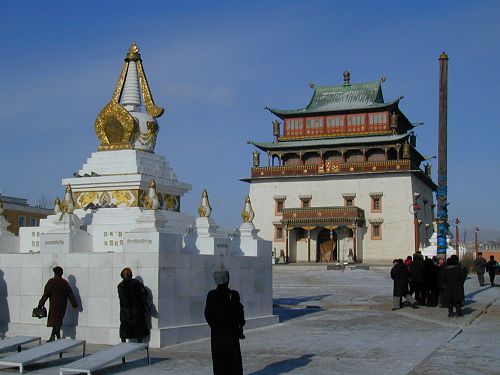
{"x":215,"y":65}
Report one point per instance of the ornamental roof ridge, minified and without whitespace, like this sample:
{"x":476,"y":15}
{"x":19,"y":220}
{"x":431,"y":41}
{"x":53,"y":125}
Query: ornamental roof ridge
{"x":341,"y":97}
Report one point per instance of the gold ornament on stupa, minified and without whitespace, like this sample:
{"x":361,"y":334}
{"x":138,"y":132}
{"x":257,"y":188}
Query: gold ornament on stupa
{"x":115,"y":126}
{"x":247,"y":214}
{"x":151,"y":201}
{"x":68,"y":204}
{"x":205,"y":209}
{"x":57,"y":206}
{"x":1,"y":207}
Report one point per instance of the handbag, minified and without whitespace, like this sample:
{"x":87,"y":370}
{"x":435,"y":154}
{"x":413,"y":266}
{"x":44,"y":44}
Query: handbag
{"x":39,"y":312}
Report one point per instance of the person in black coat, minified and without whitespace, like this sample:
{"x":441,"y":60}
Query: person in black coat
{"x":58,"y":292}
{"x":400,"y":275}
{"x":133,"y":307}
{"x":453,"y":278}
{"x":225,"y":316}
{"x":417,"y":277}
{"x":491,"y":267}
{"x":430,"y":282}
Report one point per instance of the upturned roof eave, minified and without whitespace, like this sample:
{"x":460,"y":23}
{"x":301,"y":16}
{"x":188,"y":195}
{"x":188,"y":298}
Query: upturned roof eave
{"x":327,"y":142}
{"x":285,"y":113}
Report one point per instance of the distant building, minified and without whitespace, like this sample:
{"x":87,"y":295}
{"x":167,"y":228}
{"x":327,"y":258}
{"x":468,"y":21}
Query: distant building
{"x":19,"y":213}
{"x":343,"y":180}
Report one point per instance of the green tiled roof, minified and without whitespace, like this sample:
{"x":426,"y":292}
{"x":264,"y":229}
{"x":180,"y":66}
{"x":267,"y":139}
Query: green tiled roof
{"x":327,"y":142}
{"x":341,"y":98}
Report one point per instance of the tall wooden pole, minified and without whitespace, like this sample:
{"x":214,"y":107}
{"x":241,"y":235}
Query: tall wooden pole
{"x":442,"y":190}
{"x":457,"y":237}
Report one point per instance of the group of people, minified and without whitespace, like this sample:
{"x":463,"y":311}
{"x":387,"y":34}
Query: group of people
{"x":491,"y":266}
{"x":223,"y":312}
{"x":429,"y":282}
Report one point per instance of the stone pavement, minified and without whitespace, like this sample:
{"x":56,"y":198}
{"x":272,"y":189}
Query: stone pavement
{"x":339,"y":322}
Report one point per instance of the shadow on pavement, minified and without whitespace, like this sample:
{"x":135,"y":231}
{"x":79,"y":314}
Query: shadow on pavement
{"x":287,"y":365}
{"x":470,"y":295}
{"x":130,"y":365}
{"x":291,"y":308}
{"x":299,"y":300}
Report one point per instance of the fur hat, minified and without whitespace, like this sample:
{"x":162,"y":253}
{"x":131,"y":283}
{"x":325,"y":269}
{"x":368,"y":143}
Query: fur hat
{"x":221,"y":276}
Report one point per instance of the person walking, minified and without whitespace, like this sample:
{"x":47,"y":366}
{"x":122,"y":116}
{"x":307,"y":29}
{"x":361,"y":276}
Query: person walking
{"x":491,"y":267}
{"x":454,"y":278}
{"x":225,"y":316}
{"x":58,"y":292}
{"x":400,"y":275}
{"x":133,"y":307}
{"x":479,"y":264}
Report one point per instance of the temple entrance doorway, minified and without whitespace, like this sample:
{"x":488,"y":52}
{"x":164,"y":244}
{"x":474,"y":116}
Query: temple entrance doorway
{"x":326,"y":246}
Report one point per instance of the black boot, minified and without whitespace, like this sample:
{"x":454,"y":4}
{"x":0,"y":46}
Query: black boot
{"x":459,"y":310}
{"x":450,"y":311}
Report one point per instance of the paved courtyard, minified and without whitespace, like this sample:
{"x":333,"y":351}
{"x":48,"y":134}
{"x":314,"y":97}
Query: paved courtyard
{"x":334,"y":322}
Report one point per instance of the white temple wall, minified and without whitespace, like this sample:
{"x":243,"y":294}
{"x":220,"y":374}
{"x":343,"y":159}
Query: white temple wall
{"x":178,"y":285}
{"x":397,"y":227}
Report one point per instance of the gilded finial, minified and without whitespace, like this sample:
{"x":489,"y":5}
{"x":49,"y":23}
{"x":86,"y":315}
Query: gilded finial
{"x":205,"y":209}
{"x":133,"y":53}
{"x":443,"y":56}
{"x":68,"y":205}
{"x":151,"y":201}
{"x":134,"y":48}
{"x":57,"y":206}
{"x":247,"y":214}
{"x":347,"y":78}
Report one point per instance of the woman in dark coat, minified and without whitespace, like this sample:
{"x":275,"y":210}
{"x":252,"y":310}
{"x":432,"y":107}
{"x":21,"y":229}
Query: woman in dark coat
{"x":453,"y":279}
{"x":400,"y":275}
{"x":133,"y":307}
{"x":224,"y":314}
{"x":57,"y":291}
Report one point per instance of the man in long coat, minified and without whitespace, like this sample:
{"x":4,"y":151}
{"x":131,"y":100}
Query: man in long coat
{"x":400,"y":275}
{"x":224,"y":314}
{"x":479,"y":265}
{"x":57,"y":291}
{"x":454,"y":277}
{"x":133,"y":307}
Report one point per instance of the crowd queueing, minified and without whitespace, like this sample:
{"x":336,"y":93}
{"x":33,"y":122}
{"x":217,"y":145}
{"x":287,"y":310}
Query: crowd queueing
{"x":436,"y":282}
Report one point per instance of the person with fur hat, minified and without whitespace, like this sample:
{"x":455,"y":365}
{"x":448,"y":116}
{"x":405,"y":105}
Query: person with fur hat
{"x":225,"y":316}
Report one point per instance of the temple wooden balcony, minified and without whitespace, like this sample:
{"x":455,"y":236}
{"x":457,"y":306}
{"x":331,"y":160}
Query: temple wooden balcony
{"x":336,"y":168}
{"x":323,"y":216}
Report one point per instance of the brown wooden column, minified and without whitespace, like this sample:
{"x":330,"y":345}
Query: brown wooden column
{"x":286,"y":244}
{"x":355,"y":242}
{"x":309,"y":229}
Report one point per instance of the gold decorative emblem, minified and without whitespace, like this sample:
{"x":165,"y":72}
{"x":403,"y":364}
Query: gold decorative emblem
{"x":171,"y":202}
{"x":83,"y":199}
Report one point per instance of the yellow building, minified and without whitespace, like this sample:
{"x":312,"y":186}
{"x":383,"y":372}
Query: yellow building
{"x":19,"y":213}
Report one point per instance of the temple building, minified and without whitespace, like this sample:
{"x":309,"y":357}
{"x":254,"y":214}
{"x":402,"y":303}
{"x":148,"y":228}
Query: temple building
{"x":20,"y":214}
{"x":343,"y":181}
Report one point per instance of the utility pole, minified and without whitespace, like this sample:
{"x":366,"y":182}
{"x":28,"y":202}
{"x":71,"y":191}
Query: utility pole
{"x":457,"y":238}
{"x":476,"y":240}
{"x":442,"y":190}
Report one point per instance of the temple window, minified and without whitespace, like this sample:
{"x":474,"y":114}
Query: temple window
{"x":294,"y":126}
{"x":376,"y":232}
{"x":349,"y":199}
{"x":278,"y":233}
{"x":377,"y":118}
{"x":376,"y":205}
{"x":33,"y":221}
{"x":333,"y":122}
{"x":314,"y":125}
{"x":21,"y":221}
{"x":305,"y":201}
{"x":279,"y":204}
{"x":356,"y":120}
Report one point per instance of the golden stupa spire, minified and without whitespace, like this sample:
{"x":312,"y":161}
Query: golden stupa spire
{"x":205,"y":210}
{"x":115,"y":126}
{"x":247,"y":214}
